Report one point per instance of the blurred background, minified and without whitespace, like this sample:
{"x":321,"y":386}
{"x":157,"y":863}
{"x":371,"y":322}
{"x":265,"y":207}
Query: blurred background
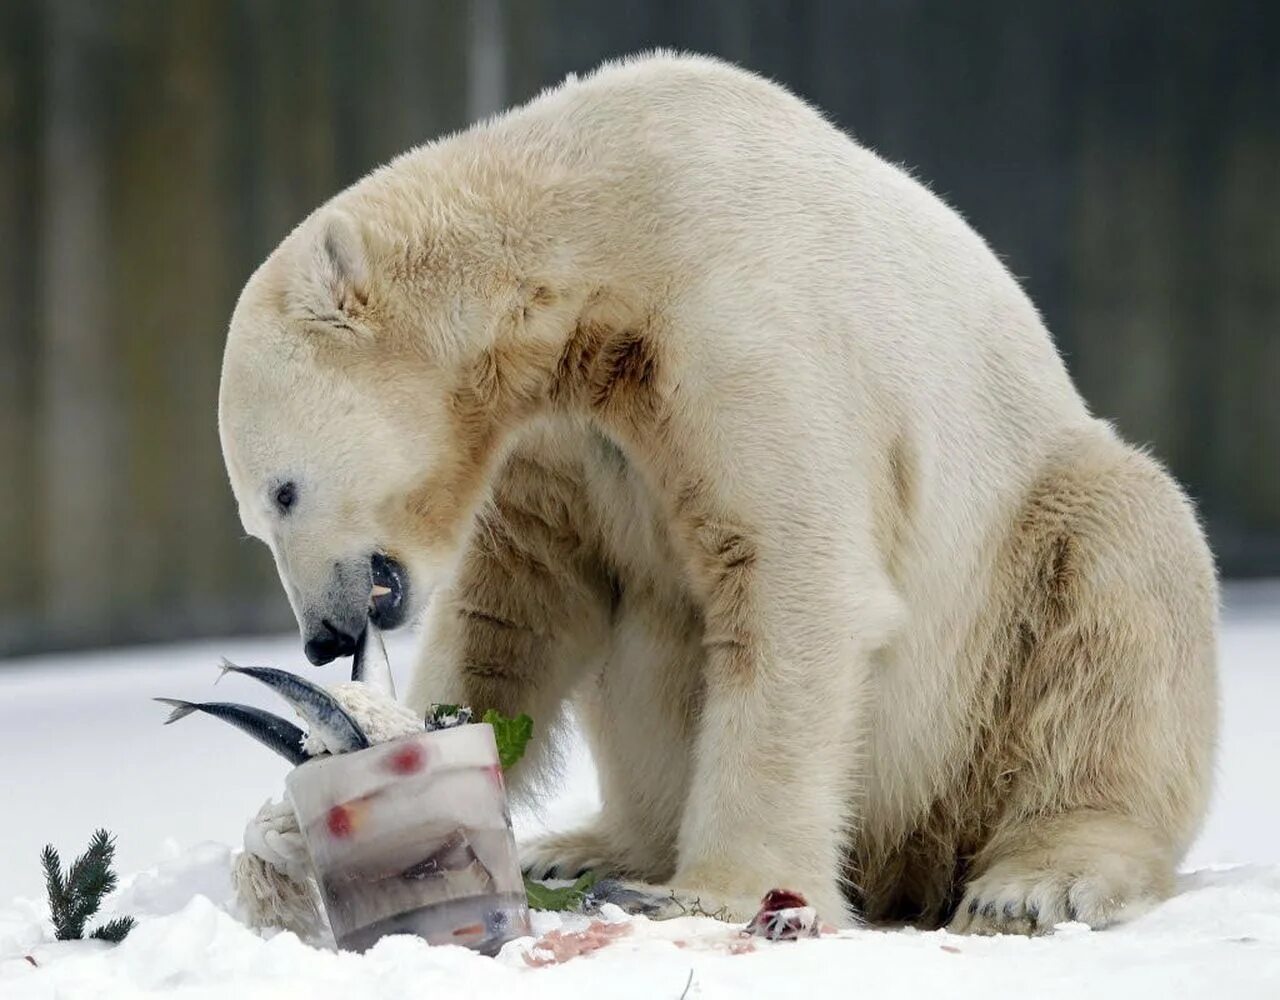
{"x":1123,"y":158}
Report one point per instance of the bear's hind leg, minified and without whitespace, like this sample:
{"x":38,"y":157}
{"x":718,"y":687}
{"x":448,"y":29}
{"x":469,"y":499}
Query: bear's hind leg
{"x":1101,"y":745}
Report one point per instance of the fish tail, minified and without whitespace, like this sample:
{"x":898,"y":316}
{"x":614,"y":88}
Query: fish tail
{"x":181,"y":709}
{"x":225,"y":666}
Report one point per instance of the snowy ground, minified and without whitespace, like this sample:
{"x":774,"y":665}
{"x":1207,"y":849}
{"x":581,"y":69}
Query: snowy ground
{"x":83,"y":747}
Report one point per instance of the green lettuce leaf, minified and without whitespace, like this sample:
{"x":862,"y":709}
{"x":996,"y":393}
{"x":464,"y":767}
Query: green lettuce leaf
{"x":568,"y":897}
{"x":512,"y":735}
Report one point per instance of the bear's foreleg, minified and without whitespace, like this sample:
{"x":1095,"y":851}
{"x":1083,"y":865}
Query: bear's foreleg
{"x":527,"y":613}
{"x":639,"y":716}
{"x":776,"y":752}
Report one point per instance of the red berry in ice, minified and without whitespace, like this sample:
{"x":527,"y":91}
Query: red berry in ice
{"x":409,"y":759}
{"x":340,"y":824}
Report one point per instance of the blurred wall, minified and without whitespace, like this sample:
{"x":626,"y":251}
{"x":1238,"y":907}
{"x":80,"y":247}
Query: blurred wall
{"x":1123,"y":158}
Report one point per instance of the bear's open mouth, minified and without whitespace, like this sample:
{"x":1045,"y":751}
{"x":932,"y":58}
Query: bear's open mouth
{"x":388,"y":598}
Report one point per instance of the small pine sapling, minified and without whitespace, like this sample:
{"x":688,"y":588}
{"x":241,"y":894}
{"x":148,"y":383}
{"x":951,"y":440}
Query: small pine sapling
{"x":76,"y":895}
{"x":114,"y":931}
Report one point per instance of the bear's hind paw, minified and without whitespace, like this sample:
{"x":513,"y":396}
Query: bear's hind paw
{"x":1031,"y":903}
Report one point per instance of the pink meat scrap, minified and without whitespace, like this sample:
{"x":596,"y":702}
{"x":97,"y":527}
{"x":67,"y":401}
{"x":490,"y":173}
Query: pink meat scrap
{"x":557,"y":946}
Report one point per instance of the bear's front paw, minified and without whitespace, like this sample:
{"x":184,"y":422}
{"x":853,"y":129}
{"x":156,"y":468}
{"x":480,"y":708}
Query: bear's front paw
{"x":574,"y":853}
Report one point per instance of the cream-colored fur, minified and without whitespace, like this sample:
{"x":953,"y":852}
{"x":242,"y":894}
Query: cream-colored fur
{"x":695,"y":412}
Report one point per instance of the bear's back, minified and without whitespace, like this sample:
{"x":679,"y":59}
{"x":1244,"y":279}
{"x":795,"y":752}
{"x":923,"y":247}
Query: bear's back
{"x":828,"y":252}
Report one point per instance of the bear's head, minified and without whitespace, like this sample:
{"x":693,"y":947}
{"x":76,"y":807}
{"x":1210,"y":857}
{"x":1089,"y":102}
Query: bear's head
{"x":367,"y":387}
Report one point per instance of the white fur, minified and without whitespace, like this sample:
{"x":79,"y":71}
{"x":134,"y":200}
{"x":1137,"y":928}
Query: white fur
{"x":899,"y":497}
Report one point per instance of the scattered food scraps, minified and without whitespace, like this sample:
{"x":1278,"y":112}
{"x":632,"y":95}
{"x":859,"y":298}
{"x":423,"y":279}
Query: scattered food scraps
{"x":784,"y":916}
{"x":556,"y":946}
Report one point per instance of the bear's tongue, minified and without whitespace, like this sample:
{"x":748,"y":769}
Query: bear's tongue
{"x":387,"y":593}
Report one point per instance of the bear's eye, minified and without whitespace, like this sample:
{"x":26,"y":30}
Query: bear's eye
{"x":286,"y":496}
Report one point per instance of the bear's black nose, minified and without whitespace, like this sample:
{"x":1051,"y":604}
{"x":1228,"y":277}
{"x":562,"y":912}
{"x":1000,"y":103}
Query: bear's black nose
{"x":328,"y":644}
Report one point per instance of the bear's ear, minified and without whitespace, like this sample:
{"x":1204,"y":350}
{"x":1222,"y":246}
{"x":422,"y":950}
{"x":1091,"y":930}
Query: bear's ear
{"x":339,"y":266}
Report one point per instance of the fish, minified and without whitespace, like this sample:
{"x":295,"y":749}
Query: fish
{"x":270,"y":730}
{"x":370,"y":664}
{"x":327,"y":720}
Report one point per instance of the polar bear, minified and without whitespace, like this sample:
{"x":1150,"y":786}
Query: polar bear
{"x":662,"y":397}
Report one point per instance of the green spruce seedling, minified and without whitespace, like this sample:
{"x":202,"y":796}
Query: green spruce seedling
{"x":76,"y":895}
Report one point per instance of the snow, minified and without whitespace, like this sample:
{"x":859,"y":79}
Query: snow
{"x":84,"y":747}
